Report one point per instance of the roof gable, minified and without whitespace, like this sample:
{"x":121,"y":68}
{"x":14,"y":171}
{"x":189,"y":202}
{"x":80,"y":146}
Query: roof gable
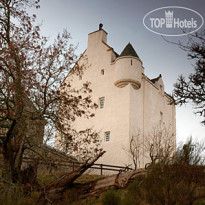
{"x":129,"y":51}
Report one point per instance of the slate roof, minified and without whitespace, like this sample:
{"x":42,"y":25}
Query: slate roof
{"x":117,"y":55}
{"x":129,"y":51}
{"x":156,"y":79}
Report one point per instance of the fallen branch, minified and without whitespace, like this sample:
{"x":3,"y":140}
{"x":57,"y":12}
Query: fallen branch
{"x":54,"y":191}
{"x":118,"y":181}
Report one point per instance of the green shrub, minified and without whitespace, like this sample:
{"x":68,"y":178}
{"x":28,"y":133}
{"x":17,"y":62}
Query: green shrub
{"x":201,"y":202}
{"x":111,"y":198}
{"x":134,"y":193}
{"x":175,"y":180}
{"x":17,"y":199}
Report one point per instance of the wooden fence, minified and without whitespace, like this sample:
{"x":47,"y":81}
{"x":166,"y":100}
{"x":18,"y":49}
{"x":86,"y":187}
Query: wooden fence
{"x":113,"y":168}
{"x":71,"y":166}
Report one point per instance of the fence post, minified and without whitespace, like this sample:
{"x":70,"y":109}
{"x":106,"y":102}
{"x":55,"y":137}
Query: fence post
{"x":101,"y":169}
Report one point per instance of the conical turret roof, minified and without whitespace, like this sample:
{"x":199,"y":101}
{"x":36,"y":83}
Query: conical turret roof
{"x":129,"y":51}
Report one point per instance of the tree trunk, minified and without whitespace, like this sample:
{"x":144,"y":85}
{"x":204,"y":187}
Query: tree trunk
{"x":13,"y":154}
{"x":12,"y":167}
{"x":54,"y":192}
{"x":6,"y":176}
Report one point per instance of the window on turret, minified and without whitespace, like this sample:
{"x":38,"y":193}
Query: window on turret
{"x":107,"y":136}
{"x":131,"y":62}
{"x":101,"y":102}
{"x":161,"y":116}
{"x":102,"y":72}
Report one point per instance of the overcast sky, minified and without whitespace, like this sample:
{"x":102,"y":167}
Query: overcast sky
{"x":123,"y":21}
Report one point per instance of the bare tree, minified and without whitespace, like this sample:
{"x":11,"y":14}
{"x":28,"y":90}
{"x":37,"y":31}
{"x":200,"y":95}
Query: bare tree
{"x":135,"y":150}
{"x":31,"y":73}
{"x":175,"y":180}
{"x":157,"y":144}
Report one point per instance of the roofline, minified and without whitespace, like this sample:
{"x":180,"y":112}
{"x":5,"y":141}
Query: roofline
{"x":77,"y":61}
{"x":148,"y":80}
{"x":97,"y":31}
{"x":156,"y":79}
{"x":70,"y":72}
{"x":120,"y":57}
{"x":60,"y":153}
{"x":169,"y":96}
{"x":110,"y":48}
{"x":107,"y":45}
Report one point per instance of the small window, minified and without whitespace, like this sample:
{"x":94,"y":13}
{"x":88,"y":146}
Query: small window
{"x":80,"y":77}
{"x":107,"y":136}
{"x":160,"y":88}
{"x":161,"y":116}
{"x":101,"y":102}
{"x":102,"y":72}
{"x":131,"y":62}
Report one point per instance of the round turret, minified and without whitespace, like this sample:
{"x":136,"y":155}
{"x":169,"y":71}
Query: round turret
{"x":128,"y":69}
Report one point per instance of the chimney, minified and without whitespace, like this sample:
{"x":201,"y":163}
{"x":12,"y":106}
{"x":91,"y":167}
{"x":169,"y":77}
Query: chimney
{"x":100,"y":26}
{"x":97,"y":37}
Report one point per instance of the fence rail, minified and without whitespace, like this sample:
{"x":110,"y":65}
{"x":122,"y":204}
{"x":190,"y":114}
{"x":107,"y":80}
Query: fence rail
{"x":73,"y":165}
{"x":110,"y":168}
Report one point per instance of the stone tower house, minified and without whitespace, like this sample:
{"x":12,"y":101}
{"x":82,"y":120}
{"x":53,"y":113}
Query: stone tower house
{"x":128,"y":101}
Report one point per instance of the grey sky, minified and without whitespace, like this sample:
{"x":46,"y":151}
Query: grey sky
{"x":123,"y":20}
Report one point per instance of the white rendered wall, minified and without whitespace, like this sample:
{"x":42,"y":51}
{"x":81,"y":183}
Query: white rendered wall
{"x":126,"y":110}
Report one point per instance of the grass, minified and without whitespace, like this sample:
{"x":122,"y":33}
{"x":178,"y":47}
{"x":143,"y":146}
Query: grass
{"x":18,"y":198}
{"x":88,"y":178}
{"x":71,"y":196}
{"x":46,"y":178}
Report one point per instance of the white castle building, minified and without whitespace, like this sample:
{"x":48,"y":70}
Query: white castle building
{"x":128,"y":101}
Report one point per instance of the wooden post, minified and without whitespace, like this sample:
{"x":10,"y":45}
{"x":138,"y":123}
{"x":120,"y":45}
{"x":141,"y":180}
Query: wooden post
{"x":101,"y":169}
{"x":73,"y":166}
